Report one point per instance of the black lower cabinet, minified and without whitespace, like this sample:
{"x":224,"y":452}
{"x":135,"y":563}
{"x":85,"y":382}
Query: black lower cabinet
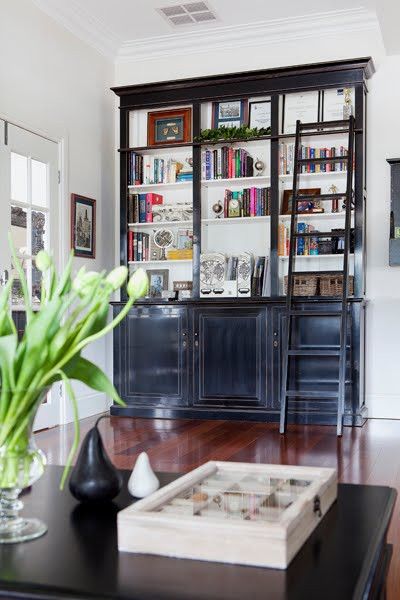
{"x":229,"y":356}
{"x":199,"y":360}
{"x":151,"y":357}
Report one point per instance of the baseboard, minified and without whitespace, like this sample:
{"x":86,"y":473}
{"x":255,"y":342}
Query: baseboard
{"x":383,"y":406}
{"x":89,"y":405}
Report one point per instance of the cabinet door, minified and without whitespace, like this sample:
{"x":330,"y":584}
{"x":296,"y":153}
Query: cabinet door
{"x":230,"y":357}
{"x":150,"y":356}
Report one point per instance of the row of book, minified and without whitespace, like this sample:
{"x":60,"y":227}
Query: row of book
{"x":309,"y":246}
{"x":140,"y":207}
{"x":250,"y":202}
{"x":226,"y":163}
{"x":286,"y":159}
{"x":149,"y":169}
{"x":138,"y":246}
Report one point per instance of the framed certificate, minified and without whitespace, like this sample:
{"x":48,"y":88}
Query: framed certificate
{"x":260,"y":114}
{"x":303,"y":106}
{"x":334,"y":101}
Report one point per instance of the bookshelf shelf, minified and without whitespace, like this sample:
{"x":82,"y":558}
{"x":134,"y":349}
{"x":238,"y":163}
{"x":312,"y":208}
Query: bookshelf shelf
{"x":162,"y":224}
{"x":310,"y":256}
{"x":149,"y":186}
{"x":235,"y":220}
{"x":160,"y":262}
{"x":236,"y":181}
{"x":317,"y":216}
{"x":321,"y":174}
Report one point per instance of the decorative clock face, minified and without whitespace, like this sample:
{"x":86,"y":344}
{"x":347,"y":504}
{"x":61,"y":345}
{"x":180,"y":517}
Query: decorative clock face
{"x":212,"y":271}
{"x":163,"y":238}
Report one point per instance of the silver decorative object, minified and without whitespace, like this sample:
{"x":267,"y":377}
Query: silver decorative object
{"x":218,"y":209}
{"x":163,"y":239}
{"x":259,"y":166}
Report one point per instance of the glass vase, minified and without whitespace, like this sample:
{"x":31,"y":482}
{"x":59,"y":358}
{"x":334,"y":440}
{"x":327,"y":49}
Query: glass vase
{"x":21,"y":464}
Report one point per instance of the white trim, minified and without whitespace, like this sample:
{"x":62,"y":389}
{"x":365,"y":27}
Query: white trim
{"x":83,"y":24}
{"x":315,"y":26}
{"x":383,"y":406}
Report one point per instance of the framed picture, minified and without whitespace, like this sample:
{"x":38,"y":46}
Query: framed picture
{"x":229,"y":114}
{"x":304,"y":106}
{"x":169,"y":127}
{"x":83,"y":226}
{"x":260,"y":114}
{"x":306,"y":206}
{"x":158,"y":282}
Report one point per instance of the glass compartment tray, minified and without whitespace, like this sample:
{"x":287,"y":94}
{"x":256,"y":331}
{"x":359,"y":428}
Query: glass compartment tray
{"x":252,"y":514}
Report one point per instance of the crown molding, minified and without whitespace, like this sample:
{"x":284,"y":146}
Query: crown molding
{"x":82,"y":24}
{"x":197,"y":41}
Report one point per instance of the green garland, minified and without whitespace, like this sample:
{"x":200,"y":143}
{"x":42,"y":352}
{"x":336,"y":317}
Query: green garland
{"x":231,"y":133}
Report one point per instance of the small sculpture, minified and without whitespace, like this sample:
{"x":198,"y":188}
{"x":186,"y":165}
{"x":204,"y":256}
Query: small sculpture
{"x":218,"y":209}
{"x":94,"y":477}
{"x":142,"y":481}
{"x":259,"y":166}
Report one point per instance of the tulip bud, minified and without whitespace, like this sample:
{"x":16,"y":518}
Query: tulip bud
{"x":138,"y":285}
{"x":84,"y":282}
{"x":43,"y":261}
{"x":117,"y":277}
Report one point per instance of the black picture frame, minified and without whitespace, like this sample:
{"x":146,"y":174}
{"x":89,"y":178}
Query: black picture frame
{"x":83,"y":226}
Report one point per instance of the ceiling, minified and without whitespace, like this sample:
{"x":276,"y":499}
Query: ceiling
{"x":119,"y":28}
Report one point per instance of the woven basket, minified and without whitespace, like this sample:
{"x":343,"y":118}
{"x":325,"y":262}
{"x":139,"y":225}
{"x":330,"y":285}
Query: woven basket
{"x":332,"y":284}
{"x":303,"y":285}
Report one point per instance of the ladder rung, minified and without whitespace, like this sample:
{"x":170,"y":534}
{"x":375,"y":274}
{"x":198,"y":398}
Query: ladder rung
{"x":307,"y":161}
{"x":315,"y":313}
{"x":315,"y":352}
{"x":319,"y":234}
{"x":300,"y":198}
{"x":323,"y":124}
{"x":311,"y":394}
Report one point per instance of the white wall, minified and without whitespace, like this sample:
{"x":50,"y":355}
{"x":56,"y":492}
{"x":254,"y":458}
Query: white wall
{"x":383,"y":282}
{"x":54,"y":83}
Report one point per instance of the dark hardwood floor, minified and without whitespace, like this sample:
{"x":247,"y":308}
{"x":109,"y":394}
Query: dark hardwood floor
{"x":369,"y":455}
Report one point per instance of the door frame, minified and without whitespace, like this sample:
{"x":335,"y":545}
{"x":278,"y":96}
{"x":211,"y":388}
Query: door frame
{"x":61,"y":139}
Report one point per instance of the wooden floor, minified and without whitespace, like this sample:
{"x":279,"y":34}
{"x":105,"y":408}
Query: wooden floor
{"x":368,"y":455}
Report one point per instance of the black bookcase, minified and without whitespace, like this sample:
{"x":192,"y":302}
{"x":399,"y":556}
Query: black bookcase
{"x":221,"y":357}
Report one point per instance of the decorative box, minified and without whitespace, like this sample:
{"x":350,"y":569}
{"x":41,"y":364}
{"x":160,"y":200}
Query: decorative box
{"x":251,"y":514}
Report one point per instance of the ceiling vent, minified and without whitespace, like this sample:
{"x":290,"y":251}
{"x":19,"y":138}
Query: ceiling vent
{"x":190,"y":13}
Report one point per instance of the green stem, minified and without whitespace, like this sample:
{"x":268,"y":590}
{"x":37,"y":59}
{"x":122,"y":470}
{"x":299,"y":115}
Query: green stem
{"x":75,"y":443}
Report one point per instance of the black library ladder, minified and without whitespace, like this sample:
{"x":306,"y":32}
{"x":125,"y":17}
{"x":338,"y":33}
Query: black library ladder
{"x":288,"y":350}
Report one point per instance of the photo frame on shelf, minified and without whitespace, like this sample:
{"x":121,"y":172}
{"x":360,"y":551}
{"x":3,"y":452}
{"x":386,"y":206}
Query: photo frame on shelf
{"x":231,"y":113}
{"x":260,"y":114}
{"x":306,"y":206}
{"x":169,"y":127}
{"x":158,"y":282}
{"x":83,"y":226}
{"x":303,"y":106}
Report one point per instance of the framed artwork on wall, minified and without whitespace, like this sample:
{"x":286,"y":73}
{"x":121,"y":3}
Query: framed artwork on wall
{"x":169,"y":126}
{"x":229,"y":114}
{"x":83,"y":226}
{"x":260,"y":114}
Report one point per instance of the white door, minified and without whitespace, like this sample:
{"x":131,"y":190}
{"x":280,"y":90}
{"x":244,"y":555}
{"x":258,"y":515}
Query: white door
{"x":30,"y":210}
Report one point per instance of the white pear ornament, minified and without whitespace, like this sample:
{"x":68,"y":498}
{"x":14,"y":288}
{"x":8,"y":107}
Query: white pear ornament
{"x":142,"y":481}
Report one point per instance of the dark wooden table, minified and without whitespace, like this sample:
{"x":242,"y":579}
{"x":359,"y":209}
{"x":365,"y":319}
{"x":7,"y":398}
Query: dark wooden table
{"x":346,"y":557}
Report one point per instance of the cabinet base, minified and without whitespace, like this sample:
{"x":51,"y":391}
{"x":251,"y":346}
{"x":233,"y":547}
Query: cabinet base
{"x":226,"y":414}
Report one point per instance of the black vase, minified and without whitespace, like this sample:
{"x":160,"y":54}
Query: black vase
{"x":94,"y":478}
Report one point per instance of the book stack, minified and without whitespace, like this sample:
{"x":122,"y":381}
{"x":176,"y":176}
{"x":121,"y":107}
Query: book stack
{"x":226,"y":163}
{"x":138,"y":246}
{"x":307,"y":246}
{"x":286,"y":159}
{"x":250,"y":202}
{"x":260,"y":279}
{"x":184,"y":174}
{"x":148,"y":169}
{"x":140,"y":207}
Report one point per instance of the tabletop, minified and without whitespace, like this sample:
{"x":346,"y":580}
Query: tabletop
{"x":346,"y":556}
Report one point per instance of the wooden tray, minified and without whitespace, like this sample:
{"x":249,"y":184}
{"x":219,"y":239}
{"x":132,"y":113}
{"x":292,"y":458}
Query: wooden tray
{"x":229,"y":512}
